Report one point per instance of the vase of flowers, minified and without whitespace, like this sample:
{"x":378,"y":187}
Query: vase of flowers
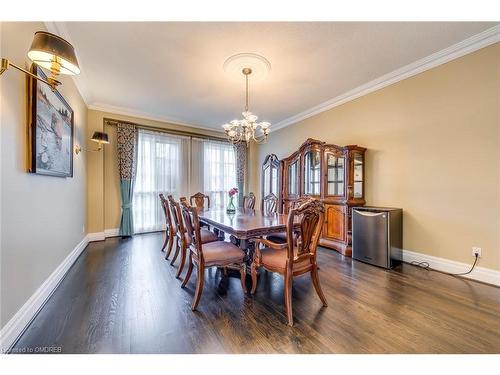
{"x":231,"y":209}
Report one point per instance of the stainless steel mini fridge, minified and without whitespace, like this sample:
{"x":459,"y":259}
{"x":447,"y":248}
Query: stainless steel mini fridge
{"x":377,"y":235}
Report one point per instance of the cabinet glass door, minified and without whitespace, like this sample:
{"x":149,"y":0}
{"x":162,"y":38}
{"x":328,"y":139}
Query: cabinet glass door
{"x":274,"y":180}
{"x":335,"y":166}
{"x":293,"y":178}
{"x":358,"y":176}
{"x":312,"y":169}
{"x":266,"y":181}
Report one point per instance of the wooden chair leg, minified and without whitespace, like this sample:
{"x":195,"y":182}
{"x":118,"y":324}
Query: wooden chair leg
{"x":167,"y":238}
{"x":243,"y":277}
{"x":189,"y":271}
{"x":183,"y":259}
{"x":169,"y":246}
{"x":199,"y":286}
{"x":288,"y":298}
{"x":317,"y":286}
{"x":176,"y":252}
{"x":253,"y":271}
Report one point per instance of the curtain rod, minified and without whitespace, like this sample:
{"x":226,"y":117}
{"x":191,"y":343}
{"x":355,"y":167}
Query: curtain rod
{"x":113,"y":122}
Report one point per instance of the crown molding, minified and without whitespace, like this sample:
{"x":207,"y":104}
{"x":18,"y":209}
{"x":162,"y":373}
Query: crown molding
{"x":59,"y":28}
{"x":469,"y":45}
{"x":146,"y":116}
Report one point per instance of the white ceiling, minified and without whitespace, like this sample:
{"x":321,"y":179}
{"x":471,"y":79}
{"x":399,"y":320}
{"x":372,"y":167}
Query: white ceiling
{"x":173,"y":71}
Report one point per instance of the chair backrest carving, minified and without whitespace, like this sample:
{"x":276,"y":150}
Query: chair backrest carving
{"x":270,"y":204}
{"x":311,"y":216}
{"x":176,"y":216}
{"x":199,"y":200}
{"x":166,"y":210}
{"x":299,"y":202}
{"x":192,"y":222}
{"x":249,"y":201}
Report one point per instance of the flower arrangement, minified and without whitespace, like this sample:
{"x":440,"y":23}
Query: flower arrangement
{"x":231,"y":209}
{"x":233,"y":192}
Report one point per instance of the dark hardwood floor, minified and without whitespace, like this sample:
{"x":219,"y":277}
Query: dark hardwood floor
{"x":121,"y":296}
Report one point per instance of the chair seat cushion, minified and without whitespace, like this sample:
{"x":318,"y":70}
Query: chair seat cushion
{"x":221,"y":252}
{"x":276,"y":259}
{"x":206,"y":236}
{"x":277,"y":237}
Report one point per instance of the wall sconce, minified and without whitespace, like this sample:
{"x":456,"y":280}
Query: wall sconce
{"x":99,"y":137}
{"x":51,"y":52}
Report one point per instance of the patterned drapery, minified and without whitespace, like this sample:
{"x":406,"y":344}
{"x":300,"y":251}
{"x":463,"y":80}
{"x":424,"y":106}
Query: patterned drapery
{"x":241,"y":169}
{"x":127,"y":161}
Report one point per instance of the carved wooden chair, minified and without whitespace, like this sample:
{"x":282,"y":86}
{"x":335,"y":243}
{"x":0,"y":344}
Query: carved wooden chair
{"x":295,"y":257}
{"x":199,"y":200}
{"x":281,"y":237}
{"x":211,"y":254}
{"x":181,"y":235}
{"x":169,"y":232}
{"x":249,"y":201}
{"x":269,"y":204}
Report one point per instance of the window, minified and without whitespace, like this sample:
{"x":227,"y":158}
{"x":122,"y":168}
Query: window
{"x":219,"y":175}
{"x":180,"y":166}
{"x":161,"y":168}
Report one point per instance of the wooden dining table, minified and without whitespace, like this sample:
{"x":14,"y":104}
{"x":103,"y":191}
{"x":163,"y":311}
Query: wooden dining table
{"x":243,"y":225}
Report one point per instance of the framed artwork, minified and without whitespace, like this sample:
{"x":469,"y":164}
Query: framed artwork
{"x":51,"y":130}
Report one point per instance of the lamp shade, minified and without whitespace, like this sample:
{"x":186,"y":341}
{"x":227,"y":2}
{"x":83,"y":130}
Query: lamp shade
{"x":100,"y":137}
{"x":47,"y":49}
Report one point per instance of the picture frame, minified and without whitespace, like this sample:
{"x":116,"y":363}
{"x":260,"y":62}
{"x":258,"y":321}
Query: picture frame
{"x":51,"y":130}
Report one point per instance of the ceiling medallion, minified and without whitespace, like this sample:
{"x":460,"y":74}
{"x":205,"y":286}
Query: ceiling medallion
{"x":248,"y":128}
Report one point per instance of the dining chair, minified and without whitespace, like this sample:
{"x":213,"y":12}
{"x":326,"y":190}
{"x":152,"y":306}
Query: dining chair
{"x":211,"y":254}
{"x":281,"y":236}
{"x":249,"y":201}
{"x":269,"y":204}
{"x":199,"y":200}
{"x":169,"y":231}
{"x":295,"y":257}
{"x":181,"y":235}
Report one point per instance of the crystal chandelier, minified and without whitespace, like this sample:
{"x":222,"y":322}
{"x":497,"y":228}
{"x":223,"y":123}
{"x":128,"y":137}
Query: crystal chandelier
{"x":248,"y":128}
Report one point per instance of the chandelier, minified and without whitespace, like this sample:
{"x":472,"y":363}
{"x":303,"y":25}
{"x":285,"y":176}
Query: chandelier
{"x":248,"y":128}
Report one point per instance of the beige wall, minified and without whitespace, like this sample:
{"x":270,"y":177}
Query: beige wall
{"x":104,"y":202}
{"x":42,"y":218}
{"x":433,"y":149}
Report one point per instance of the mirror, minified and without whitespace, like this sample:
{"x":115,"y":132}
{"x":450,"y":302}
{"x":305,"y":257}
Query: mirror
{"x":335,"y":172}
{"x":293,"y":178}
{"x":312,"y":169}
{"x":358,"y":176}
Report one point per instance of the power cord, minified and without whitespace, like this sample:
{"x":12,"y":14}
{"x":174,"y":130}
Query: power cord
{"x":426,"y":266}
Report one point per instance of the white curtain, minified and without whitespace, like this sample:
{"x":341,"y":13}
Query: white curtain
{"x":219,"y":172}
{"x":162,"y":167}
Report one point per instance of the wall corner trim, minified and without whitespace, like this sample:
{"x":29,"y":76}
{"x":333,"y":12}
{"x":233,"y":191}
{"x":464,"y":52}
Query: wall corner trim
{"x":485,"y":275}
{"x":469,"y":45}
{"x":16,"y":326}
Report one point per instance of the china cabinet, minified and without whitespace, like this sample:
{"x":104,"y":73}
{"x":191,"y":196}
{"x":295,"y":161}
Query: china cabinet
{"x":328,"y":172}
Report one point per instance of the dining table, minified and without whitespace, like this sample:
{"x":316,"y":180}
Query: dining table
{"x":243,"y":225}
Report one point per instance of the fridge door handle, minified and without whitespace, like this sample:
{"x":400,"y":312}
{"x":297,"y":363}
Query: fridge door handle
{"x":371,"y":214}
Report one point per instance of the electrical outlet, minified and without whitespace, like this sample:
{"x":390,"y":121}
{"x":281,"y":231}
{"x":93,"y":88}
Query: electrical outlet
{"x":476,"y":250}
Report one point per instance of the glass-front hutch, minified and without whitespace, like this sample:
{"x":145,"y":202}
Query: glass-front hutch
{"x":331,"y":173}
{"x":271,"y":177}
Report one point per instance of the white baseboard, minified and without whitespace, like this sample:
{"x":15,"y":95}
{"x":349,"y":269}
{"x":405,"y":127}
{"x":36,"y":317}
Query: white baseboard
{"x":101,"y":236}
{"x":20,"y":321}
{"x":111,"y":232}
{"x":486,"y":275}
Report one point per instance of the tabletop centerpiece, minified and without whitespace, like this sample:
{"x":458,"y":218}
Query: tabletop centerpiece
{"x":231,"y":209}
